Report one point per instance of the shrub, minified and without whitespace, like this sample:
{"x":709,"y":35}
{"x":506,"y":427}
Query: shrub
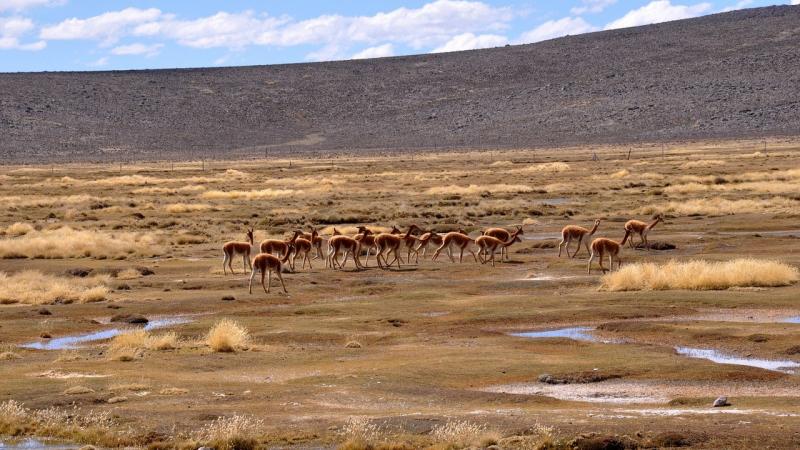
{"x":231,"y":433}
{"x":700,"y":275}
{"x":66,"y":242}
{"x":35,"y":288}
{"x":227,"y":336}
{"x":18,"y":229}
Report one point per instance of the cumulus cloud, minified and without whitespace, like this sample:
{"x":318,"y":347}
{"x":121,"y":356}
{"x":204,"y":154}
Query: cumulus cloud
{"x":137,"y":49}
{"x":19,"y":5}
{"x":380,"y":51}
{"x":557,"y":28}
{"x":469,"y":41}
{"x":12,"y":29}
{"x":108,"y":27}
{"x":433,"y":24}
{"x":592,"y":6}
{"x":658,"y":11}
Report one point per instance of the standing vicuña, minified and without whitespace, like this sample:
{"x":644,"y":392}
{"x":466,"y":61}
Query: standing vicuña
{"x":340,"y":242}
{"x":502,"y":234}
{"x":386,"y":243}
{"x":575,"y":232}
{"x":601,"y":246}
{"x":457,"y":239}
{"x":641,"y":228}
{"x":267,"y":264}
{"x":233,"y":248}
{"x":489,"y":244}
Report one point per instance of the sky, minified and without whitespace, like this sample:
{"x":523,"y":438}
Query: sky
{"x":58,"y":35}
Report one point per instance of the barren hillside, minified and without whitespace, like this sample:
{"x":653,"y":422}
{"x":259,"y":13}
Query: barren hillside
{"x":722,"y":76}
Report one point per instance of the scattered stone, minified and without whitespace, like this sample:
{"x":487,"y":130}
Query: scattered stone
{"x":145,"y":271}
{"x":80,"y":272}
{"x":45,"y":312}
{"x":720,"y":402}
{"x":113,"y":306}
{"x":228,"y":298}
{"x":124,"y":287}
{"x":658,"y":245}
{"x":130,"y":318}
{"x":138,"y":215}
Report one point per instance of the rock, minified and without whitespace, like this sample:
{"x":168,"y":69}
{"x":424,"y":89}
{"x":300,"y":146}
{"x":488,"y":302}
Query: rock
{"x":228,"y":298}
{"x":130,"y":318}
{"x":124,"y":287}
{"x":79,"y":272}
{"x":353,"y":344}
{"x":138,"y":216}
{"x":119,"y":399}
{"x":145,"y":271}
{"x":88,"y":447}
{"x":45,"y":312}
{"x":113,"y":307}
{"x":204,"y":448}
{"x":45,"y":336}
{"x":720,"y":402}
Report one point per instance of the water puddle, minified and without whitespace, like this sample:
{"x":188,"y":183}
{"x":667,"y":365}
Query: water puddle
{"x":74,"y":341}
{"x":774,"y":233}
{"x":795,"y":319}
{"x":541,"y":236}
{"x":555,"y":201}
{"x":574,"y":333}
{"x":785,"y":366}
{"x":33,"y":444}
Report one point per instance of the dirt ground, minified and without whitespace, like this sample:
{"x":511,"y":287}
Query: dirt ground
{"x":429,"y":344}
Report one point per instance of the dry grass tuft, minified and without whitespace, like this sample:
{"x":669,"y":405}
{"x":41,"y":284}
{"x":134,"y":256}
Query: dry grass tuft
{"x":227,"y":336}
{"x":477,"y":189}
{"x":359,"y":433}
{"x":700,"y":275}
{"x":78,"y":390}
{"x":459,"y":433}
{"x":155,"y":190}
{"x":620,"y":174}
{"x":66,"y":242}
{"x":720,"y":206}
{"x":247,"y":195}
{"x":547,"y":167}
{"x":35,"y":288}
{"x":182,"y":208}
{"x":7,"y":356}
{"x":703,"y":163}
{"x":232,"y":433}
{"x":501,"y":164}
{"x":134,"y":340}
{"x":18,"y":229}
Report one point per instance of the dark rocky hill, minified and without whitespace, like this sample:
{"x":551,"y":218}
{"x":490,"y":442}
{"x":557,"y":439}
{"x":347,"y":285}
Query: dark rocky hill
{"x":728,"y":75}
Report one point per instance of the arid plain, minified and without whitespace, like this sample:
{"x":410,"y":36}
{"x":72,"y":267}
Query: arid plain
{"x":421,"y":356}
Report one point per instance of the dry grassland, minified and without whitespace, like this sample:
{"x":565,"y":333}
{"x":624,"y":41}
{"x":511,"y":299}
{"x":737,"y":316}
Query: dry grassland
{"x":416,"y":357}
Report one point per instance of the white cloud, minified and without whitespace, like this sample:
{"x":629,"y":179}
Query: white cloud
{"x":557,"y":28}
{"x":431,"y":25}
{"x":19,"y":5}
{"x":740,"y":5}
{"x":99,"y":63}
{"x":796,"y":2}
{"x":592,"y":6}
{"x":137,"y":49}
{"x":658,"y":11}
{"x":380,"y":51}
{"x":469,"y":41}
{"x":12,"y":29}
{"x":108,"y":27}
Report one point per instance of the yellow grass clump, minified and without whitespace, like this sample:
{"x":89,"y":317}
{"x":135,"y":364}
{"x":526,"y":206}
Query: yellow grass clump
{"x":227,"y":336}
{"x":702,"y":163}
{"x":700,"y":275}
{"x":173,"y":391}
{"x":190,"y":189}
{"x":547,"y":167}
{"x":181,"y":208}
{"x":141,"y":339}
{"x":35,"y":288}
{"x":38,"y":201}
{"x":247,"y":195}
{"x":720,"y":206}
{"x":501,"y":164}
{"x":18,"y":229}
{"x":476,"y":189}
{"x":620,"y":174}
{"x":66,"y":242}
{"x":7,"y":356}
{"x":234,"y":432}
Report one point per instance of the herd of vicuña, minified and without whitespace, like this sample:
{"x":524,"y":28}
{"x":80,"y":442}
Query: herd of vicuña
{"x":274,"y":253}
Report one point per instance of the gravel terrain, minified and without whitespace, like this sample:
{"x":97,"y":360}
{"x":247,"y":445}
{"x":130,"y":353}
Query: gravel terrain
{"x":730,"y":75}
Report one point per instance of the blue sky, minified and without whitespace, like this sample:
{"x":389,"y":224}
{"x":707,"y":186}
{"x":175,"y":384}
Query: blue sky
{"x":37,"y":35}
